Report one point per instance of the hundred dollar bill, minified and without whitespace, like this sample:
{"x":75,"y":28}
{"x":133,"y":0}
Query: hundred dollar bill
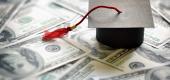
{"x":159,"y":55}
{"x":29,"y":21}
{"x":162,"y":7}
{"x":87,"y":68}
{"x":53,"y":7}
{"x":34,"y":57}
{"x":8,"y":9}
{"x":159,"y":35}
{"x":156,"y":73}
{"x":129,"y":60}
{"x":54,"y":74}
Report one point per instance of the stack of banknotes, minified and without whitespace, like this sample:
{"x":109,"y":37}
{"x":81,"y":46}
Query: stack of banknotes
{"x":78,"y":55}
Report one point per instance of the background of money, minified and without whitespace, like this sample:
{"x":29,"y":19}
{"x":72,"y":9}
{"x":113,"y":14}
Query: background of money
{"x":8,"y":9}
{"x":22,"y":36}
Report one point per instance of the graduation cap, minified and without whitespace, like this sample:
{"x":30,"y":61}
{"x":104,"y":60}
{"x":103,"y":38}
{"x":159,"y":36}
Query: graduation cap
{"x":123,"y":30}
{"x":121,"y":25}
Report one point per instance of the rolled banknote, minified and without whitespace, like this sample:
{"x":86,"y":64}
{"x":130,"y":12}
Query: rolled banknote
{"x":34,"y":57}
{"x":8,"y":9}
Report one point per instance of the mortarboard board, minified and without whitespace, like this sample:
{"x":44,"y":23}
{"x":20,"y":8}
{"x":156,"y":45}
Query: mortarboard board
{"x":135,"y":13}
{"x":123,"y":30}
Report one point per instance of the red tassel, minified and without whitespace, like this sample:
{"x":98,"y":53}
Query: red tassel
{"x":62,"y":31}
{"x":56,"y":34}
